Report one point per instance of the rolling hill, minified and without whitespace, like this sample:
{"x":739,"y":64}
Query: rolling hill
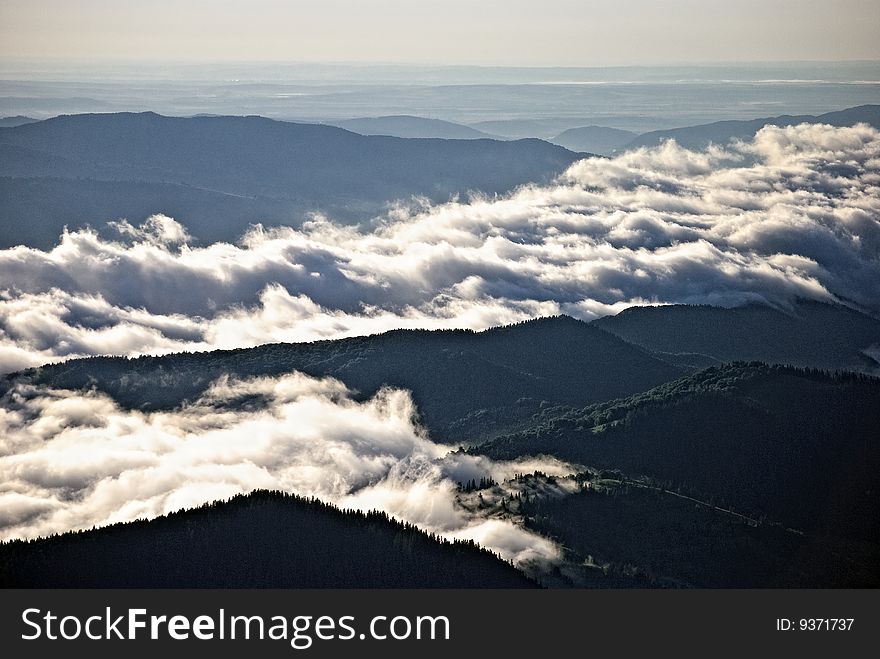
{"x":276,"y":171}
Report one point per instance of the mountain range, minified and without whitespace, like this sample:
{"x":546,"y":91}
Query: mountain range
{"x":466,"y":384}
{"x":604,"y":140}
{"x":219,"y":175}
{"x":695,"y":469}
{"x":722,"y":132}
{"x":703,"y":446}
{"x":496,"y":370}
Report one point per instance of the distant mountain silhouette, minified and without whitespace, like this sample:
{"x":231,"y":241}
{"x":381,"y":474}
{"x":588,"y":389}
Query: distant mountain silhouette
{"x":47,"y":203}
{"x":261,"y":540}
{"x":468,"y":386}
{"x":272,"y":170}
{"x":721,"y":132}
{"x":544,"y":128}
{"x":796,"y":446}
{"x":594,"y":139}
{"x":405,"y":125}
{"x":809,"y":334}
{"x":18,"y":120}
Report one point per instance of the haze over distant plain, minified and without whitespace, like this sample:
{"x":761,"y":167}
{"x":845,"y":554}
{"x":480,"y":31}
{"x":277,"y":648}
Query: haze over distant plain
{"x":492,"y":32}
{"x":636,"y":65}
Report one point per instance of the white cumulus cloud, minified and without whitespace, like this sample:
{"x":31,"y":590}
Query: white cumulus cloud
{"x":73,"y":460}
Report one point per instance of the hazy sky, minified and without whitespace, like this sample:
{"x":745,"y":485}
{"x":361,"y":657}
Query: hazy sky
{"x":515,"y":32}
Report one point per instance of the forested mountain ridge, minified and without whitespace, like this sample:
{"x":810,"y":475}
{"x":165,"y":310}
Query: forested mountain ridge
{"x":795,"y":446}
{"x":260,"y":540}
{"x":467,"y":385}
{"x":664,"y":539}
{"x":810,"y":333}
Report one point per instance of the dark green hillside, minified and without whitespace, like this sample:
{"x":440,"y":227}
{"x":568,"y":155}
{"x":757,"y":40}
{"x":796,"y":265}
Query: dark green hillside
{"x":468,"y":386}
{"x":261,"y":540}
{"x":670,"y":541}
{"x":794,"y":446}
{"x":810,"y":334}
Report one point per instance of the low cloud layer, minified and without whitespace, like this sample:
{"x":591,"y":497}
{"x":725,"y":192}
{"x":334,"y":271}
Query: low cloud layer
{"x":73,"y":460}
{"x":793,"y":213}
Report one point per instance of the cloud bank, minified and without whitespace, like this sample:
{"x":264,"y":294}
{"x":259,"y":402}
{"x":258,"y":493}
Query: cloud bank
{"x":795,"y":212}
{"x":73,"y":460}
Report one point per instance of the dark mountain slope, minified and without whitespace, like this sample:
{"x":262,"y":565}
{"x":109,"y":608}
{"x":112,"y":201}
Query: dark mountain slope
{"x":721,"y":132}
{"x":261,"y":540}
{"x":810,"y":334}
{"x":670,"y":541}
{"x":799,"y":447}
{"x":267,"y":164}
{"x":468,"y":386}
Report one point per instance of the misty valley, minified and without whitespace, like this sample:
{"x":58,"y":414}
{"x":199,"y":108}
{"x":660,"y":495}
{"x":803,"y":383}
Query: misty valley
{"x":406,"y":352}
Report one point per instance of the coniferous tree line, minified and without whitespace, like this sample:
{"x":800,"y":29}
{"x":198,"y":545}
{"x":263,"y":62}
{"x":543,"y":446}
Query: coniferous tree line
{"x":473,"y":484}
{"x":797,"y":446}
{"x":665,"y":541}
{"x":264,"y":539}
{"x":468,"y":386}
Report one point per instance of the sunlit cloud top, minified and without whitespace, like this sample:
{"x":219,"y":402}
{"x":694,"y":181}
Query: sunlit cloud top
{"x":794,"y":213}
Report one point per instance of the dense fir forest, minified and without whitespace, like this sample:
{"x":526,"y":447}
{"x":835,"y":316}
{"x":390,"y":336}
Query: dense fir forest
{"x":638,"y":531}
{"x":260,"y":540}
{"x":792,"y":445}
